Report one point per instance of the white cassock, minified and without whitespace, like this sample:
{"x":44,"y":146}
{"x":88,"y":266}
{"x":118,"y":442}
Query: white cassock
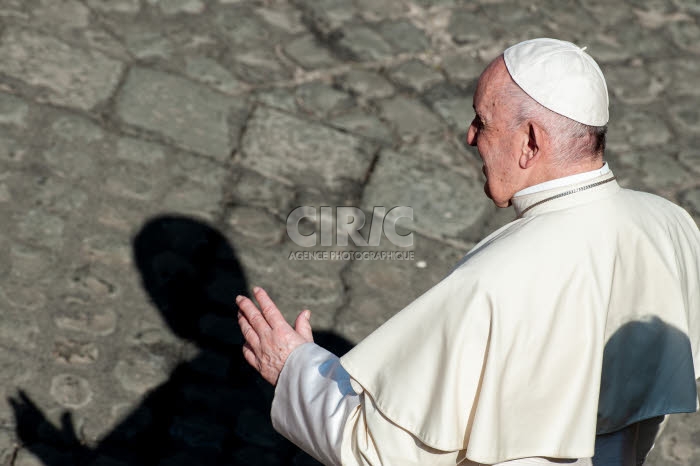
{"x":579,"y":320}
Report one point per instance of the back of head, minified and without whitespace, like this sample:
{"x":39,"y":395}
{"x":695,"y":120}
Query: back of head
{"x":562,"y":88}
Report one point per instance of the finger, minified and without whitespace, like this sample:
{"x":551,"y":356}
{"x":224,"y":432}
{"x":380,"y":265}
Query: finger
{"x":269,"y":309}
{"x":249,"y":356}
{"x":251,"y":312}
{"x":248,"y":331}
{"x":303,"y":325}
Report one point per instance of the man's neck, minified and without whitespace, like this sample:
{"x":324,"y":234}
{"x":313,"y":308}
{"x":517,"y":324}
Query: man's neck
{"x":571,"y":177}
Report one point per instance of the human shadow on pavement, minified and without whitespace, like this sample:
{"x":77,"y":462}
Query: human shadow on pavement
{"x":213,"y":409}
{"x":647,"y":370}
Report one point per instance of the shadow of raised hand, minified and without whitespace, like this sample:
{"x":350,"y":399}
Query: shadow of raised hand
{"x":33,"y":429}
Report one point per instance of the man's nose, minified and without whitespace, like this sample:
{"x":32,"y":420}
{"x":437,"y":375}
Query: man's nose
{"x":471,"y":135}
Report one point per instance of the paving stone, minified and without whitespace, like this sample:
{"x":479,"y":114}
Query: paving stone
{"x":364,"y":44}
{"x":13,"y":110}
{"x":677,"y":443}
{"x":659,"y":6}
{"x":690,"y":158}
{"x":679,"y":71}
{"x":210,"y":72}
{"x":282,"y":99}
{"x":635,"y":85}
{"x":301,"y":284}
{"x":147,"y":44}
{"x":253,"y":189}
{"x":445,"y":149}
{"x":381,"y":288}
{"x":243,"y":29}
{"x":118,"y":6}
{"x":141,"y":152}
{"x":321,"y":99}
{"x":568,"y":19}
{"x":193,"y":116}
{"x":689,"y":6}
{"x":691,"y":200}
{"x":302,"y":152}
{"x":69,"y":14}
{"x":457,"y":112}
{"x":409,"y":117}
{"x":259,"y":66}
{"x":467,"y":28}
{"x":404,"y":36}
{"x":172,"y":7}
{"x":687,"y":115}
{"x":367,"y":84}
{"x":76,"y":313}
{"x":76,"y":352}
{"x":8,"y":447}
{"x":326,"y":16}
{"x":19,"y":330}
{"x":15,"y":9}
{"x":42,"y":229}
{"x":376,"y":9}
{"x":445,"y":203}
{"x":139,"y":371}
{"x":364,"y":124}
{"x":29,"y":262}
{"x":463,"y":69}
{"x":283,"y":17}
{"x":62,"y":75}
{"x":607,"y":16}
{"x":658,"y":171}
{"x":260,"y":227}
{"x":70,"y":390}
{"x":433,"y":3}
{"x":76,"y":129}
{"x":639,"y":43}
{"x":635,"y":128}
{"x":415,"y":74}
{"x":13,"y":150}
{"x":308,"y":52}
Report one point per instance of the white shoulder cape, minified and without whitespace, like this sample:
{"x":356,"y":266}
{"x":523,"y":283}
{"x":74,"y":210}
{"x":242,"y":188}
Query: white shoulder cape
{"x":503,"y":358}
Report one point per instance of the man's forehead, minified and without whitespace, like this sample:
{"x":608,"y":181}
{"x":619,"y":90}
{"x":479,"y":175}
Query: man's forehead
{"x":491,"y":80}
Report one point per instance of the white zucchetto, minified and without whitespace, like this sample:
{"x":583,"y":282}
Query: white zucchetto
{"x":562,"y":77}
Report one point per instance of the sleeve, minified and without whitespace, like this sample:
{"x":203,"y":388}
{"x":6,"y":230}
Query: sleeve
{"x":312,"y":402}
{"x":316,"y":407}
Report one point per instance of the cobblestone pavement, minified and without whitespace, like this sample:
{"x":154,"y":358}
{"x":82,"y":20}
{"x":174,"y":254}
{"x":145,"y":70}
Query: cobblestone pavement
{"x":151,"y":151}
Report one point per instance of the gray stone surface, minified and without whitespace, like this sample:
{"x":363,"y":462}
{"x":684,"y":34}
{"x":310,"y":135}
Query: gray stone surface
{"x":308,"y":52}
{"x":151,"y":152}
{"x":404,"y":36}
{"x":409,"y":117}
{"x":193,"y":116}
{"x":322,"y":99}
{"x":416,"y":75}
{"x":367,"y":84}
{"x":303,"y":153}
{"x":431,"y":190}
{"x":364,"y":43}
{"x":59,"y":73}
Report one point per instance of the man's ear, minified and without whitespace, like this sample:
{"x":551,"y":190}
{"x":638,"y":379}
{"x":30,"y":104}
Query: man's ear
{"x":531,"y":147}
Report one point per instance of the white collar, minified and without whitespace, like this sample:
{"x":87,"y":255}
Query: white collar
{"x":567,"y":180}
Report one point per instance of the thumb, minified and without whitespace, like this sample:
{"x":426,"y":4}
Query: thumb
{"x":303,"y":326}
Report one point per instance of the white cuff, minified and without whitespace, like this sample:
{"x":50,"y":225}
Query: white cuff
{"x":312,"y":402}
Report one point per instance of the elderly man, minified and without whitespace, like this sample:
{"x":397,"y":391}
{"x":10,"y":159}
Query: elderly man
{"x":564,"y":337}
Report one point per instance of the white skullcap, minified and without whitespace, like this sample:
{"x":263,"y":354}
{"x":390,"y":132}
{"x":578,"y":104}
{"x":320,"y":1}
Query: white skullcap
{"x":562,"y":77}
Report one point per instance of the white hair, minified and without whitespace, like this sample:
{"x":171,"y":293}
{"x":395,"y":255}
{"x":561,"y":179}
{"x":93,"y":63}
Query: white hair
{"x":572,"y":141}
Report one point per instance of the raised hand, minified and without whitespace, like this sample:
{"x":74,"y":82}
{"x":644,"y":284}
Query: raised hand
{"x":269,"y":338}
